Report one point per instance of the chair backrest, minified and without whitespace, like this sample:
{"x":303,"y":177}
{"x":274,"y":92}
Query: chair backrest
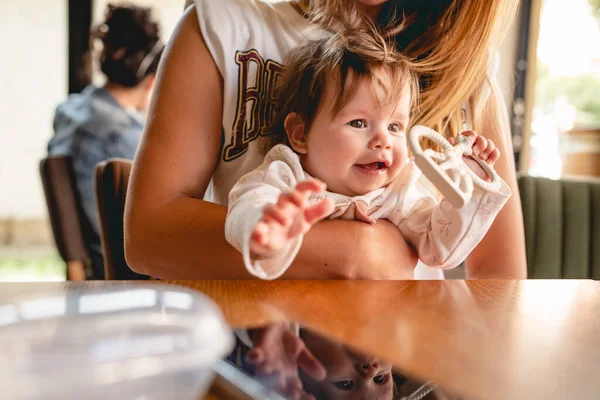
{"x":70,"y":227}
{"x":562,"y":227}
{"x":112,"y":179}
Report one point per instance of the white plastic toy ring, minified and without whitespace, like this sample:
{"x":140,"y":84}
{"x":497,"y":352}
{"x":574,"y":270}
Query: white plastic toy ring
{"x":447,"y":170}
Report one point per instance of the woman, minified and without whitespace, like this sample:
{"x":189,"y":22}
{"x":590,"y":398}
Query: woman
{"x":220,"y":71}
{"x":105,"y":122}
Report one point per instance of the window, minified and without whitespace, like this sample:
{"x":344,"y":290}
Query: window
{"x":565,"y":129}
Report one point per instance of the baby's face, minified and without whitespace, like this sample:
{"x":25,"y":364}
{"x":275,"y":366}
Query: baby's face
{"x":350,"y":375}
{"x":362,"y":147}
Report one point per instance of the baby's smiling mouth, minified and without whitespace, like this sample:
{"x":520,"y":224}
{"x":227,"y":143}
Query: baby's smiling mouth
{"x":374,"y":167}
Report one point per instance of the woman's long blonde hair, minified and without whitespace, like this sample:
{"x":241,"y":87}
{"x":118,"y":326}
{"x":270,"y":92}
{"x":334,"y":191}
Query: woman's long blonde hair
{"x":451,"y":44}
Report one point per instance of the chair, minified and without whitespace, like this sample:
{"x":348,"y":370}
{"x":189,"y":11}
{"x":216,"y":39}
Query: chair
{"x":112,"y":179}
{"x":562,"y":227}
{"x":70,"y":227}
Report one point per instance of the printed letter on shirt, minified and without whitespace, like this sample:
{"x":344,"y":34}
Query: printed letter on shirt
{"x":256,"y":101}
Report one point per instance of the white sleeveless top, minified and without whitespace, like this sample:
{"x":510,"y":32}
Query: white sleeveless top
{"x":248,"y":40}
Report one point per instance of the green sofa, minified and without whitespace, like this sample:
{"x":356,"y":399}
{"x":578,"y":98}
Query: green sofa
{"x":562,"y":227}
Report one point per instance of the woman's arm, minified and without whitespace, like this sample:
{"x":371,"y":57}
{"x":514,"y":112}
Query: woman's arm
{"x":501,"y":253}
{"x":171,"y":233}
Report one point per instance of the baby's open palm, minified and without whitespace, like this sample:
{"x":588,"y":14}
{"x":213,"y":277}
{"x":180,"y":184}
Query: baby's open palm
{"x":290,"y":217}
{"x":277,"y":354}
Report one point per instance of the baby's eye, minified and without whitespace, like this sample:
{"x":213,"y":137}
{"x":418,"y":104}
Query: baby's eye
{"x":358,"y":123}
{"x":344,"y":385}
{"x":380,"y":379}
{"x":394,"y":127}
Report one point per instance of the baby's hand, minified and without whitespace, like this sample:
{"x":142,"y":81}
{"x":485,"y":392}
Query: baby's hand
{"x":277,"y":354}
{"x":483,"y":148}
{"x":290,"y":217}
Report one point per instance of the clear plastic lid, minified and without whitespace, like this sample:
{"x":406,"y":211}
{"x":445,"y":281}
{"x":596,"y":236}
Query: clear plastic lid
{"x":116,"y":340}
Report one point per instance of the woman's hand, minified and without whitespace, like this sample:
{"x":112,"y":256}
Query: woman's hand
{"x":381,"y":252}
{"x":355,"y":250}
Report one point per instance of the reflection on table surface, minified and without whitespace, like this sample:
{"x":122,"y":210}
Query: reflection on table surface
{"x":479,"y":339}
{"x":476,"y":339}
{"x":299,"y":363}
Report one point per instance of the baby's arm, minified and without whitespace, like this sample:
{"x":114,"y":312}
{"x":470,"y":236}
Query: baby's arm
{"x":267,"y":217}
{"x":443,"y":235}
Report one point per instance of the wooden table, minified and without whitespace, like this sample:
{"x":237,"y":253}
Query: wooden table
{"x":479,"y":339}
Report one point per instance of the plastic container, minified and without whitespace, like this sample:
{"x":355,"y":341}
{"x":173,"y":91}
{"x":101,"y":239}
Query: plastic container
{"x":110,"y":341}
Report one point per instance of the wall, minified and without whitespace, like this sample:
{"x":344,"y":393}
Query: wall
{"x":33,"y":39}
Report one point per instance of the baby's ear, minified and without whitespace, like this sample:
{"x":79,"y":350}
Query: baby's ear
{"x":294,"y":128}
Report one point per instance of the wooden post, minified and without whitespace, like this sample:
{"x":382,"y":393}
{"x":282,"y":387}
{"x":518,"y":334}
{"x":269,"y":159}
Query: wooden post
{"x":80,"y":20}
{"x":524,"y":96}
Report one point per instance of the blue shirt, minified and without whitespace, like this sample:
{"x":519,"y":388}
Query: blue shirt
{"x":92,"y":127}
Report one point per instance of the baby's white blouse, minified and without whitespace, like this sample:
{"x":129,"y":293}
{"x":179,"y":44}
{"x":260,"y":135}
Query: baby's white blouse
{"x":441,"y":234}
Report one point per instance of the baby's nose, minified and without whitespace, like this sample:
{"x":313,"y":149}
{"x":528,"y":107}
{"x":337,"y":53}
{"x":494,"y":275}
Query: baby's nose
{"x":381,"y":140}
{"x":367,"y":370}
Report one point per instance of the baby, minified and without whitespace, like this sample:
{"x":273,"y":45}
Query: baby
{"x":300,"y":363}
{"x":345,"y":107}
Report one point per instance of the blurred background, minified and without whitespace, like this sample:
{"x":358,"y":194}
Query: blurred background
{"x":549,"y":73}
{"x":44,"y":42}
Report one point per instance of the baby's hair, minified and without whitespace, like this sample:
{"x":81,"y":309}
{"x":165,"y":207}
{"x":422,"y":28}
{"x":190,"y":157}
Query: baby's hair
{"x":359,"y":53}
{"x":131,"y":45}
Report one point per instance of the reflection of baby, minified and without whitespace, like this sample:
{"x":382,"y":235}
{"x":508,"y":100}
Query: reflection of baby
{"x":350,"y":375}
{"x":328,"y":369}
{"x":278,"y":353}
{"x":301,"y":364}
{"x":344,"y":112}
